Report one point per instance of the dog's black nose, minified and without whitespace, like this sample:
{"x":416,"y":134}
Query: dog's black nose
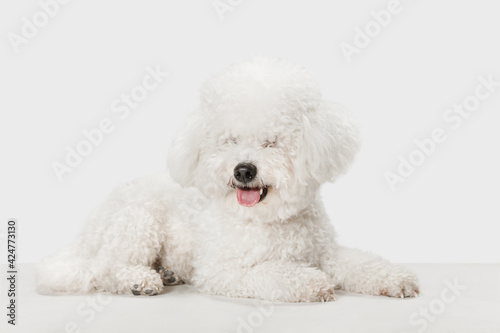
{"x":245,"y":172}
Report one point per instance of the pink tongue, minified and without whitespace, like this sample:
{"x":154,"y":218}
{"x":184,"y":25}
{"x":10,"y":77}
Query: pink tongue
{"x":248,"y":198}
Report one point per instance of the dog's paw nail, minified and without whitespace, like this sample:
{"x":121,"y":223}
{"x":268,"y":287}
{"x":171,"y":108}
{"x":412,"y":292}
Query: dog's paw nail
{"x":149,"y":291}
{"x":160,"y":269}
{"x":154,"y":294}
{"x":168,"y":273}
{"x":136,"y":286}
{"x":136,"y":292}
{"x":172,"y":279}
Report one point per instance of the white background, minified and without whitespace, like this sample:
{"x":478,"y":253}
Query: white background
{"x":426,"y":59}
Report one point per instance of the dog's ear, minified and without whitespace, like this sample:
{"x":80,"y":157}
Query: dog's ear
{"x":329,"y":143}
{"x":184,"y":154}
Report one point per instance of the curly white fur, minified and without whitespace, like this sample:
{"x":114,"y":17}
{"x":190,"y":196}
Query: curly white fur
{"x":267,"y":112}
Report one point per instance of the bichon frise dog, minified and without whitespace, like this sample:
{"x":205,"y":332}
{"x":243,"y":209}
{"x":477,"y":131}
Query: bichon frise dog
{"x":239,"y":212}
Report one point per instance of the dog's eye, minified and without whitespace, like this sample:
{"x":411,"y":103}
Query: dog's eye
{"x":269,"y":143}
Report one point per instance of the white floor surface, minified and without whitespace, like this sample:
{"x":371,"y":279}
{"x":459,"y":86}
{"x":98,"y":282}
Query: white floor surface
{"x":471,"y":306}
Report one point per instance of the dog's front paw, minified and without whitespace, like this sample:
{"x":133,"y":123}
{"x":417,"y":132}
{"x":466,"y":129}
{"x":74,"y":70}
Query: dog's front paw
{"x":400,"y":283}
{"x":316,"y":287}
{"x":147,"y":284}
{"x":323,"y":293}
{"x":143,"y":289}
{"x":169,"y":277}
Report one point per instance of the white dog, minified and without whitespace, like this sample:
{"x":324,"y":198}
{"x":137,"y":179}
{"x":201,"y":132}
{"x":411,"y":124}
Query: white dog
{"x":239,"y":213}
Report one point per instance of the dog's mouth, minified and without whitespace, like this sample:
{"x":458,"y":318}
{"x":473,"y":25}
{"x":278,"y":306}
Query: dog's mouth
{"x":249,"y":197}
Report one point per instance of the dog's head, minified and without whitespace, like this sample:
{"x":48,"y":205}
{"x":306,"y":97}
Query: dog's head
{"x":263,"y":141}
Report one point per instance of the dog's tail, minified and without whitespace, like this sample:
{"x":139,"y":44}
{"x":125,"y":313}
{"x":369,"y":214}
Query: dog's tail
{"x":66,"y":272}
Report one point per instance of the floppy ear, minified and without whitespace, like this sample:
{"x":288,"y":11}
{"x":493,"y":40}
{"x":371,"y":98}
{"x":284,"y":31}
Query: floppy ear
{"x":330,"y":142}
{"x":184,"y":153}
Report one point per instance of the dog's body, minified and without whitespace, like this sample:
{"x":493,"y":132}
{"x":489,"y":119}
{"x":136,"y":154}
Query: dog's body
{"x":239,"y":212}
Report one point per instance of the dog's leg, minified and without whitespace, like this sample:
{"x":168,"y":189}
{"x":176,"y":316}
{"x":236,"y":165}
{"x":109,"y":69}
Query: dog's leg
{"x":273,"y":281}
{"x":132,"y":245}
{"x":361,"y":272}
